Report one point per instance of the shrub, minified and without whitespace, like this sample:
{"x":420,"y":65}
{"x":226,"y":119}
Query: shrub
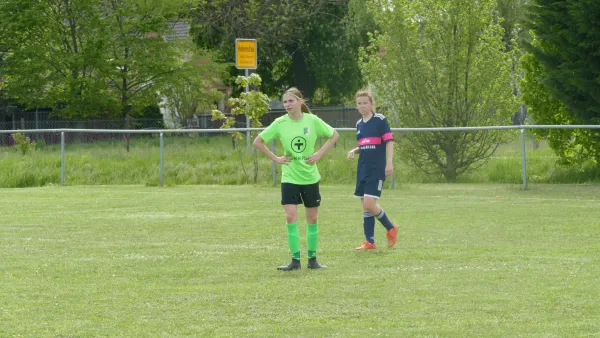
{"x":23,"y":143}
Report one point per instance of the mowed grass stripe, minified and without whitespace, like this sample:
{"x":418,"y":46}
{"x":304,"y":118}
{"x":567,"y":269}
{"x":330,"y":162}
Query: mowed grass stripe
{"x":200,"y":261}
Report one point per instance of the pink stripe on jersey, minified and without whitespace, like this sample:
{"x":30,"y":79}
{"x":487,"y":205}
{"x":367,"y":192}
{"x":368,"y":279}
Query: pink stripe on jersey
{"x":387,"y":136}
{"x":369,"y":140}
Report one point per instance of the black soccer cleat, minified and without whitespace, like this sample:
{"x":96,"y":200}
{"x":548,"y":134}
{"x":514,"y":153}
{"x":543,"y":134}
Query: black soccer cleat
{"x":294,"y":265}
{"x":313,"y":264}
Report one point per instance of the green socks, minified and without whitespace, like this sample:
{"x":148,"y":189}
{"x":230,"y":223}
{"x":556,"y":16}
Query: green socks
{"x":312,"y":239}
{"x":294,"y":239}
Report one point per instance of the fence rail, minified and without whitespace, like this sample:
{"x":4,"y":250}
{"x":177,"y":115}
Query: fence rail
{"x":161,"y":132}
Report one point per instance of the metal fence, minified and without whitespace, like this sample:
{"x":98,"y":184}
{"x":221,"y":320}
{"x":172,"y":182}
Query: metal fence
{"x":63,"y":136}
{"x":337,"y":117}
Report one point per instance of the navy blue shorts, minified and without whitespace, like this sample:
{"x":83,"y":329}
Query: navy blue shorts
{"x":369,"y":186}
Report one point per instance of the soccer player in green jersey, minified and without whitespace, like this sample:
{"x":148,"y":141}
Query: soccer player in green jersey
{"x":298,"y":131}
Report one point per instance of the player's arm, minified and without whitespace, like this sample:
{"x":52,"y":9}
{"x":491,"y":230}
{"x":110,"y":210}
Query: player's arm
{"x":389,"y":155}
{"x":328,"y":145}
{"x":330,"y":142}
{"x":388,"y":138}
{"x":353,"y":152}
{"x":259,"y":144}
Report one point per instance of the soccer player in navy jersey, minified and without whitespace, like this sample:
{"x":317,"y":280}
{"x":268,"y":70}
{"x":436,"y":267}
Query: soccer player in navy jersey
{"x":376,"y":151}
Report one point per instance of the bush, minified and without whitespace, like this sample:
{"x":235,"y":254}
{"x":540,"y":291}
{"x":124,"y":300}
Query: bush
{"x":23,"y":143}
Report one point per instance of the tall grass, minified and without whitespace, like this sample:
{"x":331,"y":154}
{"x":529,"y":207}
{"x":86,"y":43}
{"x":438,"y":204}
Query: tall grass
{"x":191,"y":160}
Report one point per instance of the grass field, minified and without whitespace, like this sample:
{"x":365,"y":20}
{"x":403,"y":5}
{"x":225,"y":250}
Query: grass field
{"x":472,"y":260}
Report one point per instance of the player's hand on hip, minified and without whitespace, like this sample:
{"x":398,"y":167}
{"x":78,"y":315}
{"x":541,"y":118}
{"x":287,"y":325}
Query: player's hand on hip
{"x":389,"y":169}
{"x":314,"y":158}
{"x":351,"y":155}
{"x":283,"y":159}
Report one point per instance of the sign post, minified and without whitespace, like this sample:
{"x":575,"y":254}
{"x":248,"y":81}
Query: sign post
{"x":246,"y":56}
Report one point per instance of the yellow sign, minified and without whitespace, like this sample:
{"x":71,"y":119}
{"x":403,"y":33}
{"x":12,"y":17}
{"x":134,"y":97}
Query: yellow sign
{"x":245,"y":54}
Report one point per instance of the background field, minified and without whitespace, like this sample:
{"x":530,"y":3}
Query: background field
{"x":190,"y":159}
{"x":472,"y":260}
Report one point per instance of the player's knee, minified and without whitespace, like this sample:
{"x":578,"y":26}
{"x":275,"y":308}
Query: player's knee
{"x":311,"y":219}
{"x":291,"y":218}
{"x":369,"y":206}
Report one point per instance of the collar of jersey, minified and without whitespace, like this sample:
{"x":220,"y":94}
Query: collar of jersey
{"x":291,"y":119}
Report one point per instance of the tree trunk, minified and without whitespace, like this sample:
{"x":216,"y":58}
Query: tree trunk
{"x":303,"y":80}
{"x":450,"y":169}
{"x":126,"y":109}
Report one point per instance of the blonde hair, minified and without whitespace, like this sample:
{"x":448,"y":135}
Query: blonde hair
{"x":366,"y":93}
{"x":296,"y":92}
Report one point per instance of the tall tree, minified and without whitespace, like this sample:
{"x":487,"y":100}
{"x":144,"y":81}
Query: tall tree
{"x":512,"y":16}
{"x":192,"y":90}
{"x":572,"y":146}
{"x":562,"y":82}
{"x":54,"y":49}
{"x":90,"y":58}
{"x":568,"y":33}
{"x":302,"y":43}
{"x":442,"y":63}
{"x":140,"y":54}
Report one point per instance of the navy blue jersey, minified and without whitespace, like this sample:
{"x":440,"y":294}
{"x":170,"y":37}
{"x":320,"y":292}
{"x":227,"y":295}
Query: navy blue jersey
{"x":372,"y":137}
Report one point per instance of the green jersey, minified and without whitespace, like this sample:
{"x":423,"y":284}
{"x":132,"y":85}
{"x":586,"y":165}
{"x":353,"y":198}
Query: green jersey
{"x":298,"y":138}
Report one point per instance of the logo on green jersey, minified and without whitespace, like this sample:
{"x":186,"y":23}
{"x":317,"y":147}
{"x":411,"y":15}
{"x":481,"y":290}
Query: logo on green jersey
{"x":298,"y":144}
{"x":306,"y":131}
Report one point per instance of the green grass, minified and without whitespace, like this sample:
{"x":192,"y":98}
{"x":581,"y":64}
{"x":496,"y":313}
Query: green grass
{"x":211,"y":160}
{"x":472,"y":260}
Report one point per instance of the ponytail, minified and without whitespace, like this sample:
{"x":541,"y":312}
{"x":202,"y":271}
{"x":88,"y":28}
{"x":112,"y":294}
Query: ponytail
{"x":304,"y":108}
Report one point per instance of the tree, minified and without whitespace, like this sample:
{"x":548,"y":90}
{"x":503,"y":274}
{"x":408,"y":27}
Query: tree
{"x":512,"y":16}
{"x":562,"y":83}
{"x":442,"y":64}
{"x":310,"y":44}
{"x":140,"y":54}
{"x":572,"y":146}
{"x":90,"y":58}
{"x":192,"y":90}
{"x":253,"y":104}
{"x":54,"y":49}
{"x":567,"y":32}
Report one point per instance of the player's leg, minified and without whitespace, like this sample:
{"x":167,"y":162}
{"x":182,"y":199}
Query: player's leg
{"x":368,"y":220}
{"x":290,"y":198}
{"x":312,"y":200}
{"x":373,"y":189}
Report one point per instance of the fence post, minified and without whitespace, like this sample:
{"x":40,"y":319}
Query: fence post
{"x":37,"y":125}
{"x":162,"y":159}
{"x":523,"y":160}
{"x":248,"y":146}
{"x":274,"y":165}
{"x":62,"y":158}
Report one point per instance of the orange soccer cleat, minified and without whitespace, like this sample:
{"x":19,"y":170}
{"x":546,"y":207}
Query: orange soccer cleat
{"x":366,"y":246}
{"x":392,"y":235}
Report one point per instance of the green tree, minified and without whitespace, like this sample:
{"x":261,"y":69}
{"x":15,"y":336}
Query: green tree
{"x":310,"y":44}
{"x":90,"y":58}
{"x":562,"y":81}
{"x":53,"y":50}
{"x":443,"y":64}
{"x":141,"y":55}
{"x":512,"y":17}
{"x":568,"y":32}
{"x":254,"y":104}
{"x":192,"y":90}
{"x":572,"y":146}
